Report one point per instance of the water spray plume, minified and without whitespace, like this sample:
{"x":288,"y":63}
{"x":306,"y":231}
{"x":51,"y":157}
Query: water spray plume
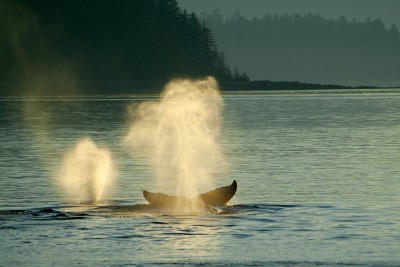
{"x":87,"y":171}
{"x":178,"y":135}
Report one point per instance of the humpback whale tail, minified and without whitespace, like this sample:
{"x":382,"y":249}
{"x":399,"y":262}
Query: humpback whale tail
{"x":219,"y":196}
{"x":216,"y":197}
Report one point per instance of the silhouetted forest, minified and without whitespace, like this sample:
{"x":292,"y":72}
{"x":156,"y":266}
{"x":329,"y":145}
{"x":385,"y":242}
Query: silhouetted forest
{"x":309,"y":48}
{"x":53,"y":46}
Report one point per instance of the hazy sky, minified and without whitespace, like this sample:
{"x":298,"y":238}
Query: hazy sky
{"x":387,"y":10}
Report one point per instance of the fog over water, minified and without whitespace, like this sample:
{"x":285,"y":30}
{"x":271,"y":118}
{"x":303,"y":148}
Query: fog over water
{"x":330,"y":42}
{"x":387,"y":10}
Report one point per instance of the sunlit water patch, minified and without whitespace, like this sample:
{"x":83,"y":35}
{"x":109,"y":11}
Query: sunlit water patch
{"x":317,"y":186}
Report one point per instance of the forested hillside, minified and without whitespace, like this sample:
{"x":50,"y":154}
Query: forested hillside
{"x":309,"y":48}
{"x":67,"y":43}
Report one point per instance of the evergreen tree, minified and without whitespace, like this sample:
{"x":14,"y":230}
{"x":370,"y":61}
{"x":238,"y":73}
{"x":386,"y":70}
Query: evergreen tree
{"x":105,"y":40}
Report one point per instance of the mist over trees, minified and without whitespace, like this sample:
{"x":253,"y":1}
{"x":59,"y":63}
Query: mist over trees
{"x":66,"y":42}
{"x":309,"y":48}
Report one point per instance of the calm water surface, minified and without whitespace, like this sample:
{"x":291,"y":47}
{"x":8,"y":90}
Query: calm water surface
{"x":318,"y":185}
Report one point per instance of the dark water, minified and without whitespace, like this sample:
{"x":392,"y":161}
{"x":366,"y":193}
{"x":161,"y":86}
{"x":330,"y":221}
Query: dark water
{"x":318,"y":185}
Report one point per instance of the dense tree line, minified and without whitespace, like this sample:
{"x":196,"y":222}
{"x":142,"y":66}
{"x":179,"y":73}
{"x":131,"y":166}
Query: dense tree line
{"x":309,"y":47}
{"x":73,"y":41}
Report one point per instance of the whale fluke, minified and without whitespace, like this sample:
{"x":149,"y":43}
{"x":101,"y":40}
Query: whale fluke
{"x":161,"y":200}
{"x":216,"y":197}
{"x":219,"y":196}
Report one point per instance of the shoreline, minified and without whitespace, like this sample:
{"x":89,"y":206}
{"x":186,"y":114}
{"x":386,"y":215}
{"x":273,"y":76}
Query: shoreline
{"x":153,"y":88}
{"x":226,"y":93}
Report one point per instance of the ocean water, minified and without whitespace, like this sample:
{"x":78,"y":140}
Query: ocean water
{"x":318,"y":185}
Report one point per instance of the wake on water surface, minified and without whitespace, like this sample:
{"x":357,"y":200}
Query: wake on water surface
{"x":115,"y":209}
{"x":214,"y":202}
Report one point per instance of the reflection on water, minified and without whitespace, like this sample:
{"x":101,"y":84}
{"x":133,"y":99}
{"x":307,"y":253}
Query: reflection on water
{"x":318,"y":148}
{"x":317,"y":185}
